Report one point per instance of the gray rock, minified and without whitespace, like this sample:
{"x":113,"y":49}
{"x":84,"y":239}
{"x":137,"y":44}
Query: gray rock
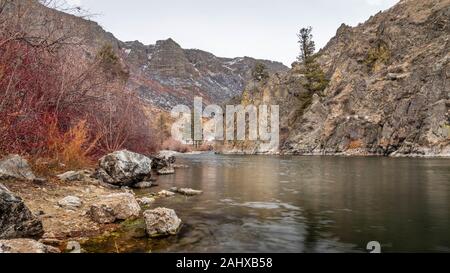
{"x":145,"y":201}
{"x":165,"y":193}
{"x":186,"y":191}
{"x":161,"y":222}
{"x":143,"y":185}
{"x":25,"y":246}
{"x":124,"y":168}
{"x":115,"y":207}
{"x":180,"y":166}
{"x":167,"y":154}
{"x":166,"y":171}
{"x":16,"y":167}
{"x":397,"y":76}
{"x":159,"y":163}
{"x":72,"y":176}
{"x":74,"y":247}
{"x":16,"y":220}
{"x":70,"y":202}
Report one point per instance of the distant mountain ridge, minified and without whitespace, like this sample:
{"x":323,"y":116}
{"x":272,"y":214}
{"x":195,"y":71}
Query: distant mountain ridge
{"x":164,"y":74}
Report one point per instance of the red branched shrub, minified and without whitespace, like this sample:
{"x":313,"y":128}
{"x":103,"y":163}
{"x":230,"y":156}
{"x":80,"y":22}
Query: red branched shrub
{"x":56,"y":102}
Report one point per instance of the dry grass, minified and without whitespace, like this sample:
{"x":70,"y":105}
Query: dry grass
{"x":71,"y":148}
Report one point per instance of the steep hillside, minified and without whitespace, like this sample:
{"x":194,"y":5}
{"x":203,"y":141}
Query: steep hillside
{"x":164,"y":74}
{"x":388,"y":92}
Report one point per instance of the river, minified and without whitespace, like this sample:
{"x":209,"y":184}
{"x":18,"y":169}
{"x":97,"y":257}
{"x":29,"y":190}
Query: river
{"x":300,"y":204}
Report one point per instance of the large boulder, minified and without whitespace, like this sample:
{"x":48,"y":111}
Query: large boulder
{"x":115,"y":207}
{"x":25,"y":246}
{"x":16,"y":220}
{"x":161,"y":222}
{"x":16,"y":167}
{"x":124,"y":168}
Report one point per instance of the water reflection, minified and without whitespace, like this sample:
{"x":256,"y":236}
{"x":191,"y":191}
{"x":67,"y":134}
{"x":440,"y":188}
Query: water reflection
{"x":304,"y":204}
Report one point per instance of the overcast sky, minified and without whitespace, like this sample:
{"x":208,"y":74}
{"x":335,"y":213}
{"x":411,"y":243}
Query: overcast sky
{"x":263,"y":29}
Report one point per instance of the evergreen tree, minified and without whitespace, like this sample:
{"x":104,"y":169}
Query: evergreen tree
{"x":259,"y":72}
{"x":316,"y":80}
{"x":307,"y":45}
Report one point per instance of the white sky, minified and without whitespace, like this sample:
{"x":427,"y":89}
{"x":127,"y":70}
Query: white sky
{"x":263,"y":29}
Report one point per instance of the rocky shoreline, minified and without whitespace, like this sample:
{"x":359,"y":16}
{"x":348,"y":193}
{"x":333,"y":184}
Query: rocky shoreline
{"x":59,"y":213}
{"x":420,"y":153}
{"x":428,"y":156}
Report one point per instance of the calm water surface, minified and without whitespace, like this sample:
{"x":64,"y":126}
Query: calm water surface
{"x":300,"y":204}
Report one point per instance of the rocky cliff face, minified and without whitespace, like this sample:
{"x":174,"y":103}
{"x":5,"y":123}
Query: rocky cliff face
{"x":388,"y":92}
{"x":164,"y":74}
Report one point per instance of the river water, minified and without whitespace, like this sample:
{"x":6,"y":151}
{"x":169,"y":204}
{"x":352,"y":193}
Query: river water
{"x":300,"y":204}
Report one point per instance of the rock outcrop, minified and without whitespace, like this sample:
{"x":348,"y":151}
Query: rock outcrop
{"x":115,"y":207}
{"x":161,"y":222}
{"x":16,"y":220}
{"x":25,"y":246}
{"x":124,"y":168}
{"x":388,"y":89}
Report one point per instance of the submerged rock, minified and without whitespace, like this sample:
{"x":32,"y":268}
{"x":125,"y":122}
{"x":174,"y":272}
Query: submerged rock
{"x":186,"y":191}
{"x":16,"y":220}
{"x":16,"y":167}
{"x":25,"y":246}
{"x":143,"y":185}
{"x":166,"y":171}
{"x":161,"y":222}
{"x":145,"y":201}
{"x":70,"y":202}
{"x":165,"y":193}
{"x":115,"y":207}
{"x":180,"y":166}
{"x":124,"y":168}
